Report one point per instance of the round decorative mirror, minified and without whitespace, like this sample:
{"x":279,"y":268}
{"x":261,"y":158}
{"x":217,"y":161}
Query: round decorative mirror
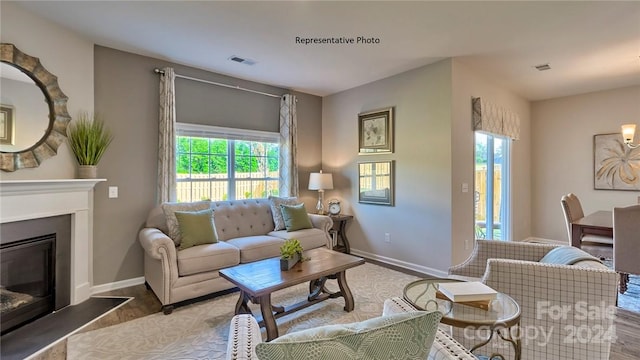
{"x":33,"y":111}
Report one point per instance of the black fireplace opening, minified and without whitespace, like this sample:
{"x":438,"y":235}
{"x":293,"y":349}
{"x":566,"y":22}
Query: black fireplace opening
{"x":34,"y":269}
{"x":26,"y":280}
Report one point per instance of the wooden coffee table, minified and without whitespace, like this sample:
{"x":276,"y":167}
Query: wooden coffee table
{"x":257,"y":280}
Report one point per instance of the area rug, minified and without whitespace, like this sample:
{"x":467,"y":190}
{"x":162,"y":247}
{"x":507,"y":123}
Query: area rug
{"x":200,"y":331}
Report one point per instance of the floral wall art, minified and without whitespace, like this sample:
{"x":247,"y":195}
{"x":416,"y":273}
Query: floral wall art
{"x":375,"y":130}
{"x":616,"y":166}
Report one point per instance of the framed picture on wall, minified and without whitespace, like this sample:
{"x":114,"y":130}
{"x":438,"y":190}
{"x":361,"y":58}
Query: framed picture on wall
{"x":375,"y":131}
{"x":615,"y":165}
{"x":6,"y":124}
{"x":375,"y":182}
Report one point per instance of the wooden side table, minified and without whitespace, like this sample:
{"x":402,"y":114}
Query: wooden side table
{"x":340,"y":223}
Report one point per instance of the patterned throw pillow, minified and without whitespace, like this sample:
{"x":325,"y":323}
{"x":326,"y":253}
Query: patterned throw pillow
{"x":275,"y":203}
{"x":398,"y":336}
{"x":169,"y":210}
{"x":196,"y":228}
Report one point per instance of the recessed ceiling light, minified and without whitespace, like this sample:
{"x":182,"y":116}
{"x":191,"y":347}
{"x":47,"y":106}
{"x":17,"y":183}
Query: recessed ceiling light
{"x":240,"y":60}
{"x":543,"y":67}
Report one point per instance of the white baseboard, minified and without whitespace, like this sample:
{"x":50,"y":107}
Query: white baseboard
{"x":116,"y":285}
{"x":402,"y":264}
{"x":534,"y":239}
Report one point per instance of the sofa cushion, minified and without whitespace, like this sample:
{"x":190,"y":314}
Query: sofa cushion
{"x":253,"y":248}
{"x":169,"y":210}
{"x":295,"y":217}
{"x":207,"y":257}
{"x":157,"y":219}
{"x":309,"y":238}
{"x":196,"y":228}
{"x":397,"y":336}
{"x":275,"y":203}
{"x":240,"y":218}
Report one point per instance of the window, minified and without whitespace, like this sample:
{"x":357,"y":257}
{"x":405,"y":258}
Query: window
{"x":492,"y":173}
{"x":214,"y":163}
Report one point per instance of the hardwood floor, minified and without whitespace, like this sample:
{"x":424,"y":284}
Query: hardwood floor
{"x":144,"y":303}
{"x":627,"y":323}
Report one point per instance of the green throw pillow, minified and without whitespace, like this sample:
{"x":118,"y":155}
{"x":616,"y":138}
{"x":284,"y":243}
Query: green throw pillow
{"x":196,"y":228}
{"x":398,"y":336}
{"x":295,"y":217}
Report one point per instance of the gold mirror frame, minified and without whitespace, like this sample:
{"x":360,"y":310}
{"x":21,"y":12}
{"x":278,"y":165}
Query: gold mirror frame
{"x":59,"y":118}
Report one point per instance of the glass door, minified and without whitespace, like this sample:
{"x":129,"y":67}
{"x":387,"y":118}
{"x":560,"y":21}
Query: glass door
{"x":492,"y":192}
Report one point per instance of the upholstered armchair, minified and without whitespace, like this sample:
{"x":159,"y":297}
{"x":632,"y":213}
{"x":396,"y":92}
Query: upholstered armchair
{"x":244,"y":336}
{"x":566,"y":310}
{"x":626,"y":243}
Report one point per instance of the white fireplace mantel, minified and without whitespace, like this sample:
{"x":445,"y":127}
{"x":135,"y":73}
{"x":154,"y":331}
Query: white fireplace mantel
{"x":32,"y":199}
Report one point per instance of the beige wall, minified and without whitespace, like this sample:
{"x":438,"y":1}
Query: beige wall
{"x":127,"y":96}
{"x":432,"y":224}
{"x":467,"y":84}
{"x":64,"y":54}
{"x":562,"y":154}
{"x":420,"y":223}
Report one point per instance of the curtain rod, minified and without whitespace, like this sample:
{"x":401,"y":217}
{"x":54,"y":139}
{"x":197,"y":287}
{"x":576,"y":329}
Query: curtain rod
{"x":161,"y":72}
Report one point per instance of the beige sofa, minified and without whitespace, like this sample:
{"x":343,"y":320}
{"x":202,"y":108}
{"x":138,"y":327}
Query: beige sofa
{"x":245,"y":233}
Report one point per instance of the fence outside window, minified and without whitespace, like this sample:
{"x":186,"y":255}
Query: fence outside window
{"x":216,"y":186}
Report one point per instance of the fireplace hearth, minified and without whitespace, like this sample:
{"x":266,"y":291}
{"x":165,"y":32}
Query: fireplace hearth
{"x":35,"y":269}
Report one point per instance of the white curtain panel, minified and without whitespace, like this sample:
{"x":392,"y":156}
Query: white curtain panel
{"x":288,"y":146}
{"x":167,"y":140}
{"x":495,"y":119}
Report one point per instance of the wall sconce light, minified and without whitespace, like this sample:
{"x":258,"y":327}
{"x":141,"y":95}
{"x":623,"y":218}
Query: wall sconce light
{"x":321,"y":182}
{"x":628,"y":131}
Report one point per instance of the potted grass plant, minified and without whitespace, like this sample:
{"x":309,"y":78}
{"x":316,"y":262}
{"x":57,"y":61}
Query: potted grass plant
{"x":290,"y":254}
{"x":89,"y":138}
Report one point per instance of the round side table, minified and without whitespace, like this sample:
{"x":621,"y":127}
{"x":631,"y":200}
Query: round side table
{"x":503,"y":313}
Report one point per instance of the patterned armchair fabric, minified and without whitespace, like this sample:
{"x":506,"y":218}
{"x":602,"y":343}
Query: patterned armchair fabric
{"x":244,"y":336}
{"x":567,"y":310}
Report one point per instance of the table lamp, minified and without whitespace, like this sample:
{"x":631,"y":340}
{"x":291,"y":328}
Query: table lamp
{"x":321,"y":182}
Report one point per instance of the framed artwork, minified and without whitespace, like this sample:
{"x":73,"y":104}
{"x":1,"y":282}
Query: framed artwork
{"x":375,"y":131}
{"x":375,"y":182}
{"x":615,"y":165}
{"x":7,"y":123}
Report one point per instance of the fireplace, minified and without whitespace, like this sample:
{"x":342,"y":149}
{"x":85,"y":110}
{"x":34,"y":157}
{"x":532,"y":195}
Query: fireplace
{"x":22,"y":200}
{"x":35,"y":269}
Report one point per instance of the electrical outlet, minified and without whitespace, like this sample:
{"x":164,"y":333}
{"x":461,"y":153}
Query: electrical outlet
{"x":467,"y":244}
{"x":113,"y":192}
{"x":387,"y":238}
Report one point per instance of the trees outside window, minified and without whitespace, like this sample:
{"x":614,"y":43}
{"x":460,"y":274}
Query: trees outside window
{"x":217,"y":168}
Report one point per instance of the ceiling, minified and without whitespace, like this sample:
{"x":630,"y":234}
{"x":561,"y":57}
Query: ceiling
{"x":590,"y":46}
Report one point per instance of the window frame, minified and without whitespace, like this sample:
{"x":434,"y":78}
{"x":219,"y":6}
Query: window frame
{"x":232,"y":135}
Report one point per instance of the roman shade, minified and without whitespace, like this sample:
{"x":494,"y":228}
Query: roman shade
{"x":495,"y":119}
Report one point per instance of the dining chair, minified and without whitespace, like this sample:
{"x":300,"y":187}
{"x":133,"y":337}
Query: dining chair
{"x":626,"y":243}
{"x":573,"y":211}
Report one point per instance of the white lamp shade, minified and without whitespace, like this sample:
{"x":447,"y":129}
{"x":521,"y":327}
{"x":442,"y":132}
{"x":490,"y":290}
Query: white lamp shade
{"x":628,"y":131}
{"x":320,"y":181}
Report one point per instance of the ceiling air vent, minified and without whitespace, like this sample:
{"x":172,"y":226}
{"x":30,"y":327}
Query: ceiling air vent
{"x":543,"y":67}
{"x":242,"y":60}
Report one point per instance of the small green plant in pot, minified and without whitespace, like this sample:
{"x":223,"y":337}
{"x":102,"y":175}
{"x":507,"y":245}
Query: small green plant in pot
{"x":88,"y":139}
{"x":290,"y":254}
